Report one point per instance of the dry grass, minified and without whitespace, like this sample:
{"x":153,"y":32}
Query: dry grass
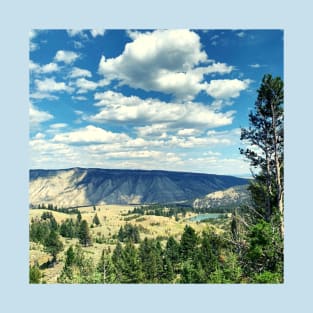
{"x":112,"y":217}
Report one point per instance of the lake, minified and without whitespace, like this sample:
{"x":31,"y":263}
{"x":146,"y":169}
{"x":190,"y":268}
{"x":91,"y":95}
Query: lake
{"x":201,"y":217}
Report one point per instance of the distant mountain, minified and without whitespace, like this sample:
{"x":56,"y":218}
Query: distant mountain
{"x":90,"y":186}
{"x":231,"y":197}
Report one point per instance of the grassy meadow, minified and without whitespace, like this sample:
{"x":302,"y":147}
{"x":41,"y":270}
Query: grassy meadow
{"x":104,"y":236}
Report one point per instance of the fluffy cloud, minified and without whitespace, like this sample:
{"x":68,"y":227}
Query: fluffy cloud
{"x":226,"y":88}
{"x":58,"y":125}
{"x":67,"y":57}
{"x":42,"y":95}
{"x":169,"y":61}
{"x":119,"y":108}
{"x":50,"y":85}
{"x":188,"y":132}
{"x":44,"y":69}
{"x":85,"y":85}
{"x":89,"y":134}
{"x":36,"y":116}
{"x":79,"y":72}
{"x":97,"y":32}
{"x":77,"y":32}
{"x":192,"y":142}
{"x":49,"y":68}
{"x":152,"y":130}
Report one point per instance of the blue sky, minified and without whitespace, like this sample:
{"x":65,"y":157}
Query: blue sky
{"x":146,"y":99}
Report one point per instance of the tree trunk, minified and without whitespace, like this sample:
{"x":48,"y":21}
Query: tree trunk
{"x":269,"y":189}
{"x":279,"y":184}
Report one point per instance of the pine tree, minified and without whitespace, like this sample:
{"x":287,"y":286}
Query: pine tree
{"x":150,"y":253}
{"x":265,"y":136}
{"x":118,"y":261}
{"x":209,"y":251}
{"x":131,"y":264}
{"x":106,"y":269}
{"x":84,"y":234}
{"x":96,"y":220}
{"x":168,"y":271}
{"x":79,"y":217}
{"x":53,"y":245}
{"x":188,"y":243}
{"x":172,"y":252}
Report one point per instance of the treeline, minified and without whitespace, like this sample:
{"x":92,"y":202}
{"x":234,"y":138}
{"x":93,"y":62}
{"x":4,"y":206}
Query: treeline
{"x":52,"y":207}
{"x":175,"y":210}
{"x":161,"y":210}
{"x":204,"y":258}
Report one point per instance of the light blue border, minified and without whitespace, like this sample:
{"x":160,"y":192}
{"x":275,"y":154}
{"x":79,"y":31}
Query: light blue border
{"x":17,"y":18}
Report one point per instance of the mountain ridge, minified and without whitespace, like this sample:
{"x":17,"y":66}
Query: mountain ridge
{"x":94,"y":186}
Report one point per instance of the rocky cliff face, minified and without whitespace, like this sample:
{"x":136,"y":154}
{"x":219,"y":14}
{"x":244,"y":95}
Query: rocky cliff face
{"x":78,"y":186}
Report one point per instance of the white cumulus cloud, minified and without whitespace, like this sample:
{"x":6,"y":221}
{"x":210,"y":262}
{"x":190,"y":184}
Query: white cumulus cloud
{"x":50,"y":85}
{"x":97,"y":32}
{"x":84,"y":85}
{"x":170,"y":61}
{"x":67,"y":57}
{"x":37,"y":116}
{"x":79,"y":72}
{"x":226,"y":88}
{"x":44,"y":69}
{"x":89,"y":134}
{"x":119,"y":108}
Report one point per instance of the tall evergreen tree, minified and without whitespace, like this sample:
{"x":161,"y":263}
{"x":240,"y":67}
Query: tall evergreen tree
{"x":265,"y":135}
{"x":188,"y":243}
{"x":84,"y":234}
{"x":172,"y":252}
{"x":131,"y":264}
{"x":150,"y":253}
{"x":118,"y":261}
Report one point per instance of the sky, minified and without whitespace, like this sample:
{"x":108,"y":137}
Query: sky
{"x":164,"y":99}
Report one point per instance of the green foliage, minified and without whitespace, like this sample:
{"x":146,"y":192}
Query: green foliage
{"x":132,"y":266}
{"x":68,"y":229}
{"x":267,"y":277}
{"x":265,"y":247}
{"x":96,"y":220}
{"x":53,"y":244}
{"x":188,"y":243}
{"x":84,"y":234}
{"x":172,"y":252}
{"x":34,"y":274}
{"x":79,"y":217}
{"x":38,"y":231}
{"x":150,"y":253}
{"x":107,"y":269}
{"x":78,"y":268}
{"x":129,"y":233}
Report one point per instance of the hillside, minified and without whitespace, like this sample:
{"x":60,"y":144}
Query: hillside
{"x":79,"y":186}
{"x":234,"y":196}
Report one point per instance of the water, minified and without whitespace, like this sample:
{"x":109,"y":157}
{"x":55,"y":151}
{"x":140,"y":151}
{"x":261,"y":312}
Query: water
{"x":201,"y":217}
